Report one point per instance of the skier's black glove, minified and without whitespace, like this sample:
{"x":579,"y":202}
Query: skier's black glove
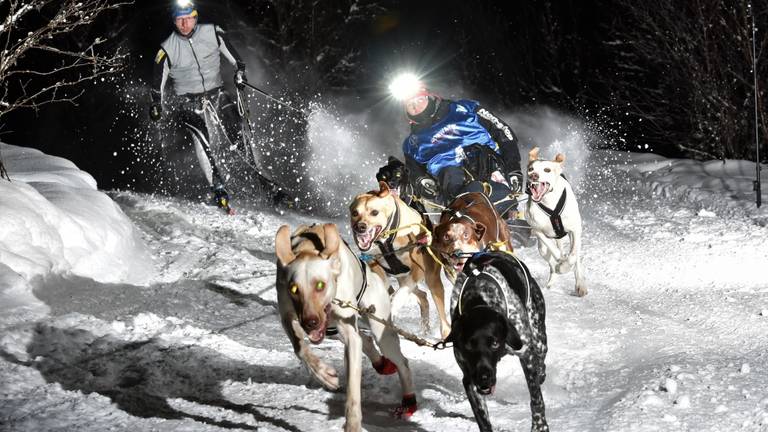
{"x":393,"y":173}
{"x":240,"y":78}
{"x":155,"y":112}
{"x":515,"y":179}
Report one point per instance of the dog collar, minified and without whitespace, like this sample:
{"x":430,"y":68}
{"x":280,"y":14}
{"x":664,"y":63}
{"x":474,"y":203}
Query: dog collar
{"x":554,"y":216}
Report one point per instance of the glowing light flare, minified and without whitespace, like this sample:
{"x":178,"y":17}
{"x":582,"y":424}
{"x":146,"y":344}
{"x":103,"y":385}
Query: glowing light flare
{"x":184,"y":3}
{"x":406,"y":86}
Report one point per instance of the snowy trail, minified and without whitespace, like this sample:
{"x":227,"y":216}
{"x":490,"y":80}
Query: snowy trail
{"x":671,"y":336}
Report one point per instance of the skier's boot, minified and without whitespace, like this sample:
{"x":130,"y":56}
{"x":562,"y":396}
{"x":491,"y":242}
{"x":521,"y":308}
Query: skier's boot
{"x":221,"y":197}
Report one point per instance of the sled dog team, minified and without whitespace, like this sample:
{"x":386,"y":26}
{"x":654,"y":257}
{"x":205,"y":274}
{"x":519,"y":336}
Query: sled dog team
{"x":496,"y":306}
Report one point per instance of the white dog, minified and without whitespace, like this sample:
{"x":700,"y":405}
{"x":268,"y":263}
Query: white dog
{"x":553,"y":213}
{"x":315,"y":270}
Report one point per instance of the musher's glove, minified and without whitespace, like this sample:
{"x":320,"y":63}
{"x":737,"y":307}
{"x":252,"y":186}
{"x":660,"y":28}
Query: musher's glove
{"x":240,"y":78}
{"x":155,"y":112}
{"x":515,"y":182}
{"x":393,"y":173}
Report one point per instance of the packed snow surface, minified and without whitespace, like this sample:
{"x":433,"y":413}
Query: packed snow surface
{"x":671,"y":337}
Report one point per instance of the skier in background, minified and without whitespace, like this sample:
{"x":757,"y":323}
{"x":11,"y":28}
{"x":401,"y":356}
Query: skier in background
{"x":191,"y":58}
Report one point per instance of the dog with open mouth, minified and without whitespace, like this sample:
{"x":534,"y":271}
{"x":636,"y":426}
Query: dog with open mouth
{"x":394,"y":237}
{"x":553,"y":214}
{"x":469,"y":224}
{"x":317,"y":273}
{"x":497,"y":308}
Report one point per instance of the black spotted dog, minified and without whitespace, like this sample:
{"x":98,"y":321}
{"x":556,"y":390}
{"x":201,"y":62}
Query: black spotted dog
{"x":498,"y":309}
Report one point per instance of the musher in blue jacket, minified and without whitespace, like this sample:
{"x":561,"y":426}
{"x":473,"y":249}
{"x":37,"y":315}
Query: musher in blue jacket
{"x":191,"y":58}
{"x":452,"y":142}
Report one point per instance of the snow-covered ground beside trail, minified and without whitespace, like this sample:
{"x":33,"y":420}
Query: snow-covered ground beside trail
{"x":54,"y":220}
{"x":671,"y":337}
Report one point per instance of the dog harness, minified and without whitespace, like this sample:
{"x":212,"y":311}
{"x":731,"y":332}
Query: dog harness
{"x":394,"y":266}
{"x":503,"y":268}
{"x":479,"y":268}
{"x":554,"y":216}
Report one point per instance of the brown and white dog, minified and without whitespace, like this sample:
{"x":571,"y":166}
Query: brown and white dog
{"x":314,"y":267}
{"x":388,"y":230}
{"x":470,"y":224}
{"x":553,"y":214}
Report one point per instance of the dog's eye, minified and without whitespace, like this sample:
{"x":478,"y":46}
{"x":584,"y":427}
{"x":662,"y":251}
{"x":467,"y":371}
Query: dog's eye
{"x":465,"y":235}
{"x":294,"y":289}
{"x":547,"y":170}
{"x":355,"y":213}
{"x":494,"y":344}
{"x":374,"y":212}
{"x":320,"y":285}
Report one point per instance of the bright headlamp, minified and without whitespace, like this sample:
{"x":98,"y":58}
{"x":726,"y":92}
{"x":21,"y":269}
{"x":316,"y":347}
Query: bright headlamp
{"x":406,"y":86}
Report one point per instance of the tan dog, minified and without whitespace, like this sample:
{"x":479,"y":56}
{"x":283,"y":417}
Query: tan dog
{"x":388,"y":230}
{"x":471,"y":224}
{"x":314,"y":268}
{"x":553,"y":213}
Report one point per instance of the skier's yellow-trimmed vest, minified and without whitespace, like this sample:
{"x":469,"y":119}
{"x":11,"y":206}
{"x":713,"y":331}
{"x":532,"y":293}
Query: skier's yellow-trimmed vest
{"x":194,"y":62}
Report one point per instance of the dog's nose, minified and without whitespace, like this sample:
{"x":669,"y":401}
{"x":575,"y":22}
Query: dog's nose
{"x":311,"y":323}
{"x":361,"y":227}
{"x":533,"y":176}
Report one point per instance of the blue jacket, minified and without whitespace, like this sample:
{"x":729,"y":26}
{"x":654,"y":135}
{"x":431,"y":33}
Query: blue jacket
{"x":437,"y":146}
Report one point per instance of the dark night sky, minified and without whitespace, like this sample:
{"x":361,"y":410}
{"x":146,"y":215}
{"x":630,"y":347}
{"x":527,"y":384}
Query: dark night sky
{"x":491,"y":51}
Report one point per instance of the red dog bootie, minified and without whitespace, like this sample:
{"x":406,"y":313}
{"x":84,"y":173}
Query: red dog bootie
{"x":384,"y":366}
{"x":406,"y":408}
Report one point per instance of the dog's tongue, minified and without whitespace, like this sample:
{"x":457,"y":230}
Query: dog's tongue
{"x":538,"y":190}
{"x":316,"y":336}
{"x":365,"y":239}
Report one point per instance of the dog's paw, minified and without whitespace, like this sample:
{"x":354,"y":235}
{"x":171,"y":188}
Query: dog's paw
{"x":407,"y":407}
{"x":581,"y":290}
{"x":327,"y":375}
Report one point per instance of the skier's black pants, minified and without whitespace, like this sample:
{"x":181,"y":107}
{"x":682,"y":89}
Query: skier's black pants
{"x":190,"y":115}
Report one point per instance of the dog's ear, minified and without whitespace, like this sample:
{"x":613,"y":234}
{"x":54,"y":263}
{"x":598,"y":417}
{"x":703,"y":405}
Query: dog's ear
{"x":335,"y":266}
{"x":479,"y":231}
{"x":383,"y":189}
{"x":533,"y":154}
{"x":331,"y":240}
{"x":283,"y":246}
{"x":559,"y":158}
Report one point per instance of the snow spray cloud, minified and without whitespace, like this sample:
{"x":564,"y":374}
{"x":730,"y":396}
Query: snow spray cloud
{"x":553,"y":133}
{"x":344,"y":158}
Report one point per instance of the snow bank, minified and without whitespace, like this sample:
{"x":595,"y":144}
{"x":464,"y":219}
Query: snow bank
{"x":54,"y":220}
{"x":722,"y":188}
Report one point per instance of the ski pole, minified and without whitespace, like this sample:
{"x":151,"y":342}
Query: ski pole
{"x":269,"y":96}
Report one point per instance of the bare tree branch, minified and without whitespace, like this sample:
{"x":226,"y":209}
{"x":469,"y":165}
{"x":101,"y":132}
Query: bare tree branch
{"x":39,"y":64}
{"x":695,"y":87}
